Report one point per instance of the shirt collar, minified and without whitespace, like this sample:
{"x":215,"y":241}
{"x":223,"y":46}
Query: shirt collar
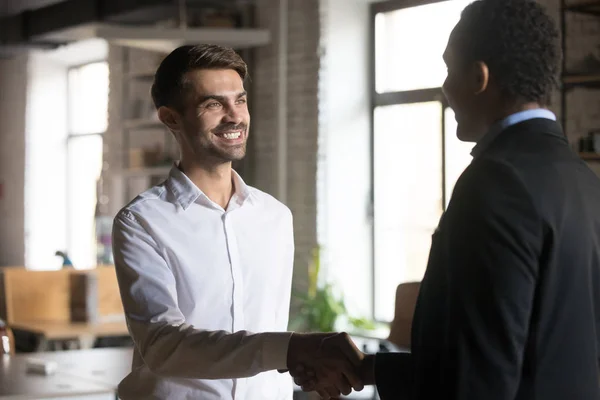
{"x":512,"y":119}
{"x":186,"y":192}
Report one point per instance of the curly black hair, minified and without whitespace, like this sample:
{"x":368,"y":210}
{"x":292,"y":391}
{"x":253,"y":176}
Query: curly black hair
{"x":518,"y":41}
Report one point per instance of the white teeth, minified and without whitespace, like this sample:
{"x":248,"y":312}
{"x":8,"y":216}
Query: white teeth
{"x":232,"y":135}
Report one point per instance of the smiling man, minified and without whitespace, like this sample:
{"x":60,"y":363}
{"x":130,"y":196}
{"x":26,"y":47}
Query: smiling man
{"x":203,"y":259}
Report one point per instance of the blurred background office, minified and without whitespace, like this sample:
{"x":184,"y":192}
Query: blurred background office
{"x":350,"y":129}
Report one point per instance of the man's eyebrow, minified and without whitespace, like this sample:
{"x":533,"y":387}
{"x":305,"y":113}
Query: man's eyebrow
{"x":218,"y":97}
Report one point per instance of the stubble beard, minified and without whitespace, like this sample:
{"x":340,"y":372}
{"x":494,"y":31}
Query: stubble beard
{"x":207,"y":151}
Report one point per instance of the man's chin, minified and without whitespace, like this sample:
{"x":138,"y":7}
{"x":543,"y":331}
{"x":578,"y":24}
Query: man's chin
{"x":464,"y":134}
{"x":231,"y":155}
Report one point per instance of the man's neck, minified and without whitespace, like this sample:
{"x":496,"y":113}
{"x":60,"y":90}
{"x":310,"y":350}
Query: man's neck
{"x":502,"y":113}
{"x":215,"y":181}
{"x":509,"y":110}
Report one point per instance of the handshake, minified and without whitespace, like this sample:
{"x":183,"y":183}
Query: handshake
{"x":328,"y":363}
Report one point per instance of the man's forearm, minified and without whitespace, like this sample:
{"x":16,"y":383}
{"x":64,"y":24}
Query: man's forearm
{"x":185,"y":352}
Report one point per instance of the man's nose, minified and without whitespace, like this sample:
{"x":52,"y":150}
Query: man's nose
{"x":233,"y":116}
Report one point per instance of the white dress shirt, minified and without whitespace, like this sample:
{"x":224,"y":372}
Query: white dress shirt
{"x":197,"y":281}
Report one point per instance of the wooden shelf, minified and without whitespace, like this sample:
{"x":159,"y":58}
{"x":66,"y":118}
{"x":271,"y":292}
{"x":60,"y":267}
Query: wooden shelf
{"x":141,"y":123}
{"x":591,"y":80}
{"x":590,"y":156}
{"x":591,"y":7}
{"x":150,"y":171}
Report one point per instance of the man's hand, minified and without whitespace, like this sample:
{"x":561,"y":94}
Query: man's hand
{"x":325,"y":362}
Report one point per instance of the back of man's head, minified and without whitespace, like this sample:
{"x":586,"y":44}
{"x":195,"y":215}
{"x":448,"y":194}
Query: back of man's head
{"x":517,"y":40}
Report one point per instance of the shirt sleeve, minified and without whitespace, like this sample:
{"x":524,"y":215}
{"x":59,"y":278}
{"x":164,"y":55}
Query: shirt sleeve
{"x":168,"y":345}
{"x":493,"y":243}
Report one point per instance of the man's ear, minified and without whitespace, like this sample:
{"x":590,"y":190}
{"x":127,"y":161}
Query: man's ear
{"x":481,"y":77}
{"x":170,"y":118}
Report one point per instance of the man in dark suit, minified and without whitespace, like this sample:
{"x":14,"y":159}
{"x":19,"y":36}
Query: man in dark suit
{"x":509,"y":308}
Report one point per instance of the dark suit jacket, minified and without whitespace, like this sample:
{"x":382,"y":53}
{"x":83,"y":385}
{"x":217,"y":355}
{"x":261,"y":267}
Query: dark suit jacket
{"x":509,"y":308}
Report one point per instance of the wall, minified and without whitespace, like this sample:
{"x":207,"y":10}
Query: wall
{"x":13,"y":81}
{"x":301,"y":119}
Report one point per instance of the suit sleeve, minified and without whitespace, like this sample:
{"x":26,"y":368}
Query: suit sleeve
{"x":493,"y":243}
{"x":394,"y":375}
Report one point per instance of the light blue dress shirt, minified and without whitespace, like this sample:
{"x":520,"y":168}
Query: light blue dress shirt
{"x":503,"y":124}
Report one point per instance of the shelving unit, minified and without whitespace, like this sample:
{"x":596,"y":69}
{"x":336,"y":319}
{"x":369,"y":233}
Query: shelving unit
{"x":577,"y":79}
{"x":585,"y":80}
{"x":570,"y":79}
{"x":591,"y":7}
{"x":136,"y":178}
{"x":141,"y":123}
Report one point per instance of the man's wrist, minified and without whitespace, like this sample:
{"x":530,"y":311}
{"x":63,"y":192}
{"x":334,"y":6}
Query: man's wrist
{"x":367,"y":369}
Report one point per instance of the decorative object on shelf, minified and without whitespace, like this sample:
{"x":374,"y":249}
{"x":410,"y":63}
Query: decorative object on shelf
{"x":67,"y":263}
{"x":321,"y":308}
{"x":590,"y":143}
{"x":216,"y":18}
{"x":149,"y":157}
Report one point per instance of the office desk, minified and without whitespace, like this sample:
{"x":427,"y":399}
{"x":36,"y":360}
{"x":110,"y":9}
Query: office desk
{"x":85,"y":333}
{"x":81,"y":374}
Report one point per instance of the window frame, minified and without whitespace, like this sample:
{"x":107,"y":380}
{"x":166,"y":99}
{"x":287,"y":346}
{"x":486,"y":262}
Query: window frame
{"x":393,"y":98}
{"x":71,"y":136}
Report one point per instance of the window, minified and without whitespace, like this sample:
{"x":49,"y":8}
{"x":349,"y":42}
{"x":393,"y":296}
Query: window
{"x":88,"y":119}
{"x":416,"y":155}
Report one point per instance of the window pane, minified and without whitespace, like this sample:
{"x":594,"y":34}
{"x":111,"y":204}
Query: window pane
{"x":88,"y":98}
{"x":85,"y":165}
{"x":408,"y":195}
{"x":458,"y":154}
{"x":409,"y":44}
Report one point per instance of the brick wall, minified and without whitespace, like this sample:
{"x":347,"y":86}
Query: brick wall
{"x":302,"y":119}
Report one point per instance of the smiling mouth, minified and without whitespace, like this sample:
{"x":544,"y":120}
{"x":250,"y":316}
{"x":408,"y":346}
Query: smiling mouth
{"x":231,"y":135}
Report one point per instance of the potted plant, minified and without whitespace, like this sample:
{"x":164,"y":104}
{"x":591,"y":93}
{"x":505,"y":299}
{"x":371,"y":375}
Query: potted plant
{"x":321,"y":307}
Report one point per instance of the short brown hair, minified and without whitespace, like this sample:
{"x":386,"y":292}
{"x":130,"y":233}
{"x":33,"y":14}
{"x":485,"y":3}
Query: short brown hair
{"x":169,"y":87}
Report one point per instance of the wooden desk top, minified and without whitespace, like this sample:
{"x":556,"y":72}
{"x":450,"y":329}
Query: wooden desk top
{"x":79,"y":373}
{"x":72,"y":330}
